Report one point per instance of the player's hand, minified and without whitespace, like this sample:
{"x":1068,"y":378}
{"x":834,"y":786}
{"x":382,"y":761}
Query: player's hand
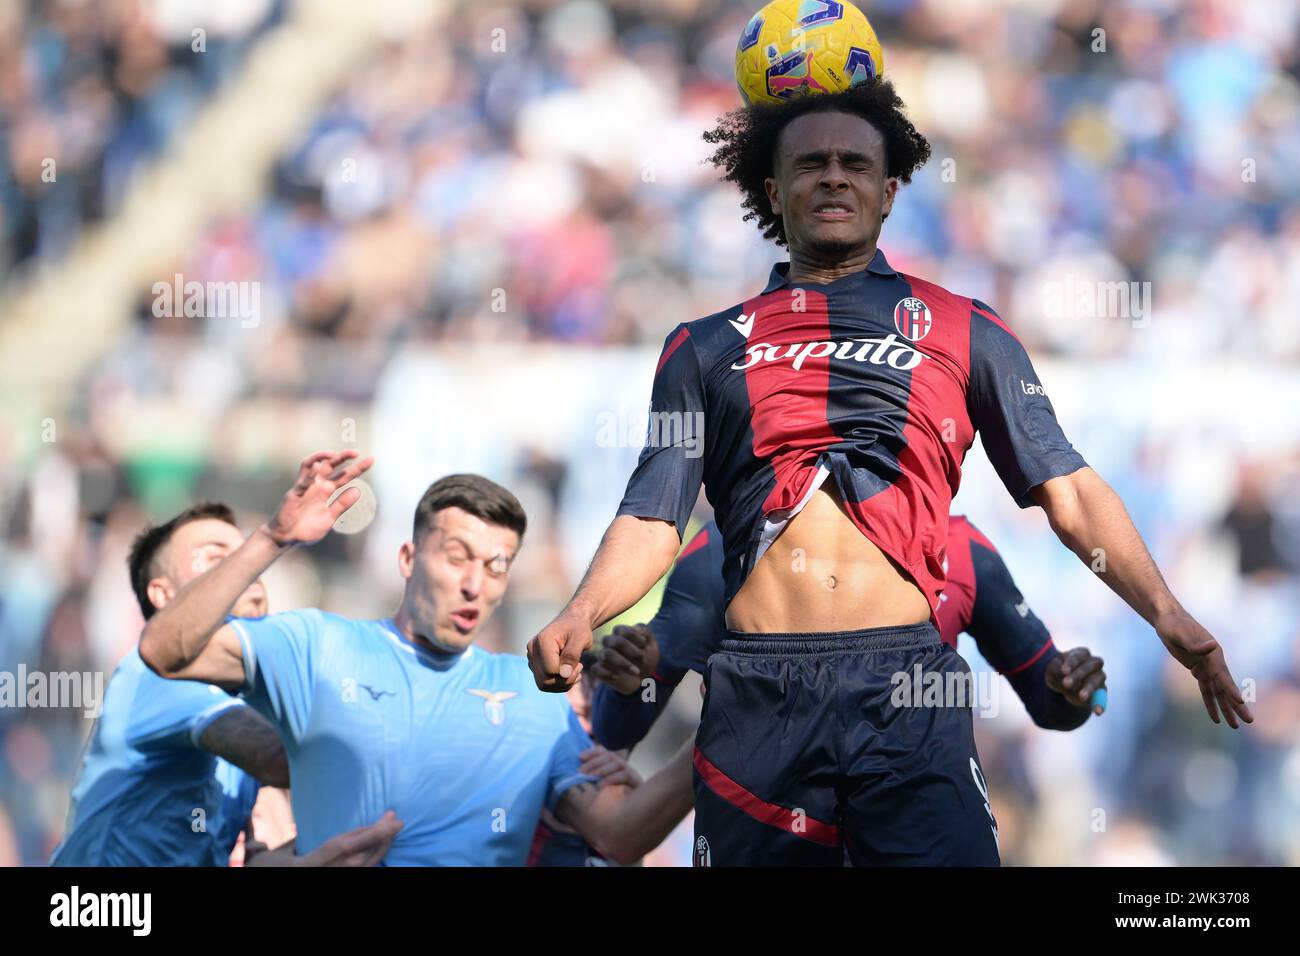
{"x":555,"y":654}
{"x":364,"y":846}
{"x":610,"y":767}
{"x":305,"y":516}
{"x":1197,"y":650}
{"x":626,"y":657}
{"x":1076,"y":675}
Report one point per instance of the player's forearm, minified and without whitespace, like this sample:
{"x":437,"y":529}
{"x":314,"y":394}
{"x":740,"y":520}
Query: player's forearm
{"x":175,"y":636}
{"x":633,"y":555}
{"x":633,"y":822}
{"x":249,"y":741}
{"x":280,"y":856}
{"x":1047,"y":708}
{"x":1091,"y":520}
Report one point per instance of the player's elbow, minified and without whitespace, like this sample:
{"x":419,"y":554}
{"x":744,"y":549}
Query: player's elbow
{"x":1063,"y":503}
{"x":152,"y":651}
{"x":276,"y":772}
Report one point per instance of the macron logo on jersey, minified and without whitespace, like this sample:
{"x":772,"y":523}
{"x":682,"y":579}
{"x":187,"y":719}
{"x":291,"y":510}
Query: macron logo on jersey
{"x":745,"y":324}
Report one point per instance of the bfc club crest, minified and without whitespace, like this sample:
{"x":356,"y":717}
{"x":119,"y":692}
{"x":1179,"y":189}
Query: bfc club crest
{"x":703,"y":856}
{"x":912,"y":319}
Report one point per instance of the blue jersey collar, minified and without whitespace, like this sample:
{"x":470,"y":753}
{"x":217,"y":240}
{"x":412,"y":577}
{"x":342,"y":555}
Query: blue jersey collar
{"x":878,"y":264}
{"x":441,"y":660}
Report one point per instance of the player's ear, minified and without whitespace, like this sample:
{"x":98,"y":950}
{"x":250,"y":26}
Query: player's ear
{"x":406,"y":559}
{"x":159,"y":591}
{"x":891,"y":190}
{"x":773,"y":195}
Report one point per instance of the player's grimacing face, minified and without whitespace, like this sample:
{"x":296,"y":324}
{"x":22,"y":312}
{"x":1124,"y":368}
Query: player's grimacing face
{"x":198,"y":546}
{"x":456,"y":576}
{"x":830,"y":185}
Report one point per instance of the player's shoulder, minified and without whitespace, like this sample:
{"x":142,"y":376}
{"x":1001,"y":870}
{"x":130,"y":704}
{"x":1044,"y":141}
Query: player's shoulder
{"x":713,"y":334}
{"x":310,"y":625}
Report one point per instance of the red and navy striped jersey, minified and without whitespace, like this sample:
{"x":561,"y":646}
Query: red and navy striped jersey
{"x":878,"y":381}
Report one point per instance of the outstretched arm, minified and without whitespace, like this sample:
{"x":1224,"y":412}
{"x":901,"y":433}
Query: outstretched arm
{"x":1091,"y":520}
{"x":187,"y":638}
{"x":626,"y":823}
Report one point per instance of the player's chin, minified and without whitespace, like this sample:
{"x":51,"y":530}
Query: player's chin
{"x":836,"y":239}
{"x":456,"y":637}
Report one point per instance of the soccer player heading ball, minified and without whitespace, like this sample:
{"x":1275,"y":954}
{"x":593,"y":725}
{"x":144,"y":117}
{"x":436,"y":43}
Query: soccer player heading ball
{"x":837,"y":406}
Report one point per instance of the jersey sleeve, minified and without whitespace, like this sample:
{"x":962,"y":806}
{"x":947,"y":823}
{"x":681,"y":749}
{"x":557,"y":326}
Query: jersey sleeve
{"x":566,"y":758}
{"x":1012,"y":638}
{"x":668,"y":474}
{"x":621,"y":721}
{"x":1010,"y":409}
{"x":169,"y":714}
{"x":280,"y":658}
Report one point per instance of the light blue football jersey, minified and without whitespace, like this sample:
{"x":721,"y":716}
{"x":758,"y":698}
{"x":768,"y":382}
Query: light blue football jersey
{"x":147,"y":795}
{"x":464,"y":748}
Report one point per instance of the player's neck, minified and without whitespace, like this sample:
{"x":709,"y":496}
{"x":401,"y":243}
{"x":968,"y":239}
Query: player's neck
{"x":808,"y":266}
{"x":404,"y":621}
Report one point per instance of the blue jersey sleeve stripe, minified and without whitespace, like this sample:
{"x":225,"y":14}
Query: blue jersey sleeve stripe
{"x":564,"y":786}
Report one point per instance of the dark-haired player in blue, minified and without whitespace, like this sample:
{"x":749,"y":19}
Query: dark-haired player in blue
{"x":403,"y":714}
{"x":639,"y":667}
{"x":172,"y":769}
{"x":155,"y":787}
{"x":836,"y":408}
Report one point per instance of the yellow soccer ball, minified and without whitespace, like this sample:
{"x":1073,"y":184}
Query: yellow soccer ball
{"x":791,"y":47}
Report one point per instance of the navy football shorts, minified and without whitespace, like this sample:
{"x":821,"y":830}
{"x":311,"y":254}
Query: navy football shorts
{"x":811,"y":748}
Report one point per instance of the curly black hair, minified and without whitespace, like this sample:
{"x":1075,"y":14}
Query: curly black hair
{"x":747,"y":138}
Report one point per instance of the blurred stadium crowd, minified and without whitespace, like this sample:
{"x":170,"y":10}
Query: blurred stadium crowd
{"x":530,"y":177}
